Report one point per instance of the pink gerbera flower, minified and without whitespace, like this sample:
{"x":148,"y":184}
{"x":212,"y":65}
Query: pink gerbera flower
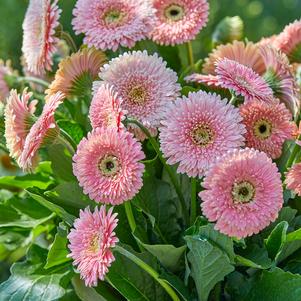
{"x":243,"y":193}
{"x":293,"y":178}
{"x":207,"y":79}
{"x":105,"y":109}
{"x":268,"y":126}
{"x":5,"y":70}
{"x":19,"y":117}
{"x":107,"y":165}
{"x":178,"y":21}
{"x":43,"y":129}
{"x":289,"y":41}
{"x":243,"y":80}
{"x":39,"y":41}
{"x":145,"y":85}
{"x":279,"y":76}
{"x":109,"y":24}
{"x":198,"y":128}
{"x":91,"y":241}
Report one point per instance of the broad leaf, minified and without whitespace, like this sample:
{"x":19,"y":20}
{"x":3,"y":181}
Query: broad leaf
{"x":24,"y":182}
{"x":73,"y":129}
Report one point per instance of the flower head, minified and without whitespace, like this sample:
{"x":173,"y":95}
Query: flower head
{"x":43,"y":129}
{"x":144,"y":83}
{"x":91,"y":241}
{"x":19,"y":112}
{"x":289,"y":41}
{"x":39,"y":41}
{"x":77,"y":72}
{"x":242,"y":193}
{"x":178,"y":21}
{"x":243,"y":80}
{"x":5,"y":70}
{"x":293,"y":178}
{"x":105,"y":109}
{"x":109,"y":24}
{"x":107,"y":165}
{"x":207,"y":79}
{"x":197,"y":129}
{"x":279,"y":75}
{"x":268,"y":126}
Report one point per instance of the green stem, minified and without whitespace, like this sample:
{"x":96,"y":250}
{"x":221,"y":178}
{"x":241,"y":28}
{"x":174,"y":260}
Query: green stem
{"x":171,"y":174}
{"x":292,"y":157}
{"x":190,"y":54}
{"x":67,"y":37}
{"x":148,"y":269}
{"x":130,"y":215}
{"x":233,"y":100}
{"x":193,"y":201}
{"x":33,"y":80}
{"x":65,"y":139}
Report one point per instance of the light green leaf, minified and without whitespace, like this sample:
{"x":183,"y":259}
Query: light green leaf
{"x":24,"y":182}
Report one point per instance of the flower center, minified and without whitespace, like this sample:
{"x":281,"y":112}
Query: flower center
{"x":202,"y":135}
{"x":109,"y":166}
{"x":174,"y":12}
{"x":113,"y":17}
{"x":243,"y":192}
{"x":137,"y":94}
{"x":262,"y":129}
{"x":94,"y":244}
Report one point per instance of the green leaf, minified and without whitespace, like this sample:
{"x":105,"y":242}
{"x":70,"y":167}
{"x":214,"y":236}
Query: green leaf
{"x":274,"y":243}
{"x":73,"y":129}
{"x":24,"y":182}
{"x":58,"y":250}
{"x":28,"y":281}
{"x":209,"y":264}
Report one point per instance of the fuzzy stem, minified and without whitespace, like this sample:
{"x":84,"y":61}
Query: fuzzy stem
{"x":148,"y":269}
{"x":33,"y":80}
{"x":193,"y":201}
{"x":167,"y":167}
{"x":67,"y":37}
{"x":190,"y":54}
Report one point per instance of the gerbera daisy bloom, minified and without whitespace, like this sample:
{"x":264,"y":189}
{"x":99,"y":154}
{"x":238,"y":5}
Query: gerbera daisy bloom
{"x":293,"y":178}
{"x":268,"y":41}
{"x":39,"y":41}
{"x":107,"y":165}
{"x":145,"y":84}
{"x":178,"y":21}
{"x":5,"y":70}
{"x":268,"y":126}
{"x":77,"y":72}
{"x":243,"y":80}
{"x":197,"y":129}
{"x":279,"y":76}
{"x":207,"y":79}
{"x":19,"y":117}
{"x":42,"y":131}
{"x":91,"y":241}
{"x":242,"y":193}
{"x":289,"y":41}
{"x":109,"y":24}
{"x":105,"y":109}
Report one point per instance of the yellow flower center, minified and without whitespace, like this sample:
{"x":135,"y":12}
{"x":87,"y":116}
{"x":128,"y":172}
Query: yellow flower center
{"x":137,"y":94}
{"x":243,"y":192}
{"x":262,"y":129}
{"x":113,"y":17}
{"x":95,"y":243}
{"x":109,"y":166}
{"x":174,"y":12}
{"x":202,"y":135}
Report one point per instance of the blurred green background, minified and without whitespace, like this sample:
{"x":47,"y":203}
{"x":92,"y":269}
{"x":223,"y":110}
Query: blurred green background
{"x":261,"y":18}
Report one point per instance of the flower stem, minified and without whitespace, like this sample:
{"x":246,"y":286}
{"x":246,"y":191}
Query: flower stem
{"x":233,"y":100}
{"x":171,"y":174}
{"x":65,"y":139}
{"x":148,"y":269}
{"x":292,"y":157}
{"x":34,"y":80}
{"x":193,"y":201}
{"x":130,"y":215}
{"x":190,"y":54}
{"x":67,"y":37}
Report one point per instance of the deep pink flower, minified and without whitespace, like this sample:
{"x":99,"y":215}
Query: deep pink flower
{"x":242,"y":193}
{"x":178,"y":21}
{"x":197,"y":129}
{"x":109,"y":24}
{"x":293,"y":178}
{"x":268,"y":126}
{"x":39,"y":41}
{"x":91,"y":241}
{"x":107,"y":165}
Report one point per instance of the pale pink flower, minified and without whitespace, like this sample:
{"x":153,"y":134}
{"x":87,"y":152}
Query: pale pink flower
{"x":19,"y":117}
{"x":206,"y":79}
{"x":268,"y":41}
{"x":39,"y":41}
{"x":279,"y":75}
{"x":5,"y":70}
{"x":293,"y":178}
{"x":91,"y":241}
{"x":289,"y":41}
{"x":243,"y":80}
{"x":145,"y":84}
{"x":107,"y":165}
{"x":43,"y":129}
{"x":197,"y":129}
{"x":105,"y":108}
{"x":178,"y":21}
{"x":109,"y":24}
{"x":268,"y":126}
{"x":242,"y":193}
